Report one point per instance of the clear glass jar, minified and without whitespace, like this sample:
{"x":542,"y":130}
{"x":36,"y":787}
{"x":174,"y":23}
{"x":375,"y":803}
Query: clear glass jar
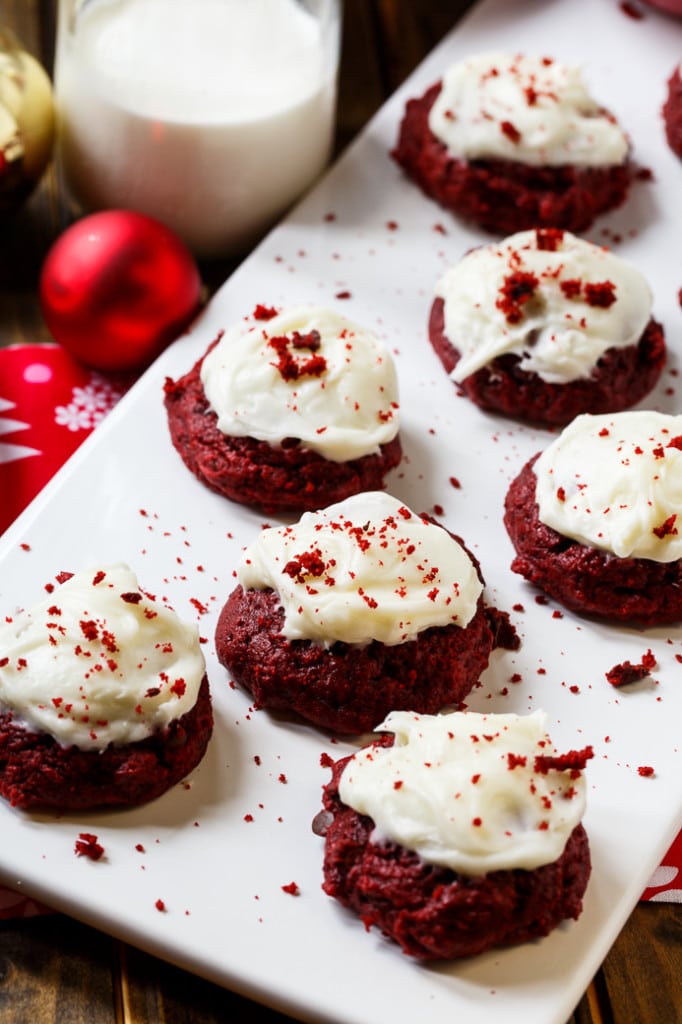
{"x":213,"y":116}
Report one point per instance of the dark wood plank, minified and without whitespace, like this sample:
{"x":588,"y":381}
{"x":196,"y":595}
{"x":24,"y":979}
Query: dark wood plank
{"x":157,"y":993}
{"x":407,"y":32}
{"x":53,"y":969}
{"x":643,"y":972}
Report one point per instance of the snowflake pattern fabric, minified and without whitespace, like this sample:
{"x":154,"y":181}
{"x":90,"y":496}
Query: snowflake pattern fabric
{"x":88,"y":406}
{"x":49,"y":404}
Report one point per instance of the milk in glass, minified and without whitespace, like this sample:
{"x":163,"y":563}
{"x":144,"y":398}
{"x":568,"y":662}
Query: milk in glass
{"x":211,"y":115}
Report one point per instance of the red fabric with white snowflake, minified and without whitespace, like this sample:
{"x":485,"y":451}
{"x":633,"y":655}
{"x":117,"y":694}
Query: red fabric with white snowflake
{"x":49,"y":404}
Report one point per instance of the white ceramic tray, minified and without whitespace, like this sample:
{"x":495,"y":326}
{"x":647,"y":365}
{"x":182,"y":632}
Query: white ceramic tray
{"x":126,"y":495}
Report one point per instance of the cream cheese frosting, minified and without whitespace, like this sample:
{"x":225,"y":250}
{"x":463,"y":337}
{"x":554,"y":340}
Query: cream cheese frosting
{"x":305,"y":373}
{"x":367,"y":568}
{"x":534,"y":110}
{"x":614,"y":482}
{"x":99,"y":661}
{"x":468,"y":791}
{"x":555,"y":300}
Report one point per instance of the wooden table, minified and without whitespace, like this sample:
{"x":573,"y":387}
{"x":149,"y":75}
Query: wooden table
{"x":54,"y":970}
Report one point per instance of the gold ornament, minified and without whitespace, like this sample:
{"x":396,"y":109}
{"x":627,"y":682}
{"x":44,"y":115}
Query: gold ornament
{"x":27,"y":122}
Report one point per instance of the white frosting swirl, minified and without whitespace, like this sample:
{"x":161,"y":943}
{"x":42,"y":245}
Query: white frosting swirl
{"x":615,"y":482}
{"x":339,"y":397}
{"x":464,"y":791}
{"x":577,"y":300}
{"x":364,"y":569}
{"x":533,"y":110}
{"x":99,"y":662}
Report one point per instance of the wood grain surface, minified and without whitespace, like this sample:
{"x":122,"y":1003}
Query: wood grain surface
{"x":54,"y":970}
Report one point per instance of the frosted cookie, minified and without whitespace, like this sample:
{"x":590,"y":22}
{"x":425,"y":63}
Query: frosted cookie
{"x":595,"y":518}
{"x":544,"y":326}
{"x":104,"y":699}
{"x":356,"y":610}
{"x":456,"y":833}
{"x":512,"y":142}
{"x":289,"y":411}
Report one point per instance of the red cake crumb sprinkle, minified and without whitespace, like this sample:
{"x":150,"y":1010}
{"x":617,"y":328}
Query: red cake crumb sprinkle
{"x":571,"y":287}
{"x":88,"y":846}
{"x":602,"y":294}
{"x":262,"y":312}
{"x":667,"y":528}
{"x":288,"y":365}
{"x":548,"y":239}
{"x":308,"y":563}
{"x":292,"y":889}
{"x":626,"y":672}
{"x":573,"y":761}
{"x":645,"y":770}
{"x":517,"y":288}
{"x":511,"y":131}
{"x":160,"y":906}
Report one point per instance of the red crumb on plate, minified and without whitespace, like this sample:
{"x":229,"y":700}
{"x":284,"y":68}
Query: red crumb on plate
{"x":626,"y":672}
{"x":88,"y":846}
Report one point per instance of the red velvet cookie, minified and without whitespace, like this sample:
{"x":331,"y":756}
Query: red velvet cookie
{"x":434,"y":912}
{"x":507,"y":191}
{"x":104,"y":699}
{"x":589,"y":581}
{"x":620,"y":379}
{"x":309,"y":413}
{"x":38,"y":772}
{"x":544,"y":325}
{"x":358,"y":609}
{"x":346,"y":688}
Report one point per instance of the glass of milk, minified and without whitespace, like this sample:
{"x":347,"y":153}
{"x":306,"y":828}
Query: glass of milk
{"x":213,"y":116}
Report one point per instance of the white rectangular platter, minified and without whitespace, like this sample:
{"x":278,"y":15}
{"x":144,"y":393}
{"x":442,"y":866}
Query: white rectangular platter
{"x":219,"y":850}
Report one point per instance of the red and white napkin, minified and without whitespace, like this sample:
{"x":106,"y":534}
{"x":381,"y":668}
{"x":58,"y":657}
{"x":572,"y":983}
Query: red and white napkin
{"x":49,"y":404}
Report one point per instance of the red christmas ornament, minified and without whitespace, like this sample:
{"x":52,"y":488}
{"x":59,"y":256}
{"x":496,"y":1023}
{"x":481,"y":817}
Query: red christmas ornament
{"x":116,"y":288}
